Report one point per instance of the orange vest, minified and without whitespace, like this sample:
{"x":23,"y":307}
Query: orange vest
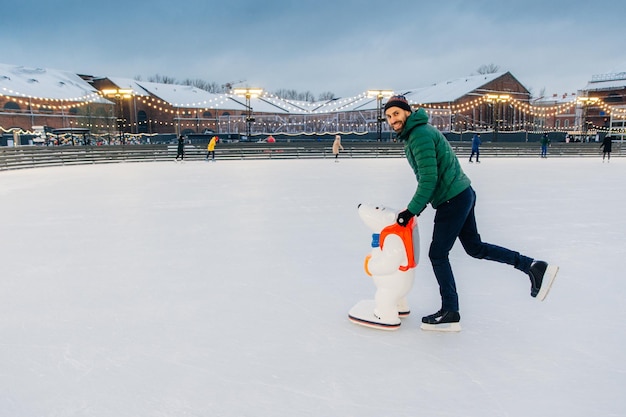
{"x":406,"y":234}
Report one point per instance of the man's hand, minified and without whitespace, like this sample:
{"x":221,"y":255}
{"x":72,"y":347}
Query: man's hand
{"x":404,"y":217}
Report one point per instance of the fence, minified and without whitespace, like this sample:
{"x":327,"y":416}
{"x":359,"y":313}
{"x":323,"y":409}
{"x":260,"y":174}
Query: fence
{"x":38,"y":156}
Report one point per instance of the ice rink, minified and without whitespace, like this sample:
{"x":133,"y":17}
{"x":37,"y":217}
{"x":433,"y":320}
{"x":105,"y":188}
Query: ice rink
{"x":222,"y":289}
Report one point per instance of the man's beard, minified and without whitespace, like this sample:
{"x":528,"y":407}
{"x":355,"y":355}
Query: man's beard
{"x":398,"y":130}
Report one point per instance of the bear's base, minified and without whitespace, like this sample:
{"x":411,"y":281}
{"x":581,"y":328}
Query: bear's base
{"x":363,"y":314}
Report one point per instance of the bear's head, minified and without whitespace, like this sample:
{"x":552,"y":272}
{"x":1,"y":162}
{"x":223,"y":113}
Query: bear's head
{"x":377,"y":217}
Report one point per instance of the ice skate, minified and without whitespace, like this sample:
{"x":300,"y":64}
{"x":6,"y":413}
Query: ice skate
{"x":541,"y":276}
{"x":442,"y":321}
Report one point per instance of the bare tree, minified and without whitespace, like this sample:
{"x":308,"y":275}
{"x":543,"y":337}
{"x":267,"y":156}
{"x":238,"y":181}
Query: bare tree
{"x":488,"y":69}
{"x":287,"y":94}
{"x":327,"y":95}
{"x":306,"y":96}
{"x":162,"y":79}
{"x":300,"y":96}
{"x":214,"y":87}
{"x":542,"y":92}
{"x":211,"y":87}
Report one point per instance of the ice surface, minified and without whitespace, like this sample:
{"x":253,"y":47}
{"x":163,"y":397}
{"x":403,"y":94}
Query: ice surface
{"x":201,"y":289}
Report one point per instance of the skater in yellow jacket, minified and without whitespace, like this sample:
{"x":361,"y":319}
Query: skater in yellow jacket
{"x":211,"y":148}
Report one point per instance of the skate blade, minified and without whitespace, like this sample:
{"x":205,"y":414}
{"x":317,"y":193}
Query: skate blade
{"x":550,"y":275}
{"x":372,"y":324}
{"x":444,"y":327}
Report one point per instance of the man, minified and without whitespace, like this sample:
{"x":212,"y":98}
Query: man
{"x":545,"y":142}
{"x":180,"y":150}
{"x":443,"y":184}
{"x":475,"y":147}
{"x":606,"y":147}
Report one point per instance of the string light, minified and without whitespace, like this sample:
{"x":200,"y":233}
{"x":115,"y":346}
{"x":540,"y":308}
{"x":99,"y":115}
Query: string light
{"x":184,"y":113}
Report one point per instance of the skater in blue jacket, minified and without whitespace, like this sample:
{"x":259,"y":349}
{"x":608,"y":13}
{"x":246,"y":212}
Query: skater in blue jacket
{"x":475,"y":147}
{"x":545,"y":142}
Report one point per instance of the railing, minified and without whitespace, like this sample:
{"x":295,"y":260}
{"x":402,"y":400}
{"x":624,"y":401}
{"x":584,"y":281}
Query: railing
{"x":38,"y":156}
{"x":533,"y":149}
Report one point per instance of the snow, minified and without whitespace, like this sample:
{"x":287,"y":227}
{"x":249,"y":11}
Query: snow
{"x":186,"y":96}
{"x":45,"y":83}
{"x":129,"y":84}
{"x":615,"y":80}
{"x":450,"y":90}
{"x":55,"y":84}
{"x":222,"y":289}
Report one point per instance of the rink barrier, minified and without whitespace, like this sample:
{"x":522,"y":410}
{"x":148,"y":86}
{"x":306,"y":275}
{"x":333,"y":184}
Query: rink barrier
{"x":40,"y":156}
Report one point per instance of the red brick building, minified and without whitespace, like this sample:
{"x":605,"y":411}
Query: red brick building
{"x":495,"y":101}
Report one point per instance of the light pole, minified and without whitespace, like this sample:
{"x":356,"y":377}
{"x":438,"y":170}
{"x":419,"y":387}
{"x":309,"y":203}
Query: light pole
{"x":379,"y":94}
{"x":248,"y":93}
{"x":119,"y":94}
{"x":585,"y":102}
{"x":494,"y":99}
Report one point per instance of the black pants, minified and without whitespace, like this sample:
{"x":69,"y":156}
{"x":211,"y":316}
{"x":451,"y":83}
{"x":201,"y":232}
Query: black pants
{"x":455,"y":219}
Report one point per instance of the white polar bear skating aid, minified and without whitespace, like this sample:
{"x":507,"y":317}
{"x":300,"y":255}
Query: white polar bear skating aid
{"x":391,"y":264}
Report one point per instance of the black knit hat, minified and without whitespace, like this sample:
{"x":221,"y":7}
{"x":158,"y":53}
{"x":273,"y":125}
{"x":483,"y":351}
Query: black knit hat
{"x":398,"y":101}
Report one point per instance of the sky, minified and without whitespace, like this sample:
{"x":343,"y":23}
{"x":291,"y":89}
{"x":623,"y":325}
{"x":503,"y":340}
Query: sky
{"x":223,"y":289}
{"x":342,"y":47}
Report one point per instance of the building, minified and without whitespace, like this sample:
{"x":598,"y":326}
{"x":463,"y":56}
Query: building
{"x":603,"y":105}
{"x":121,"y":110}
{"x":480,"y":102}
{"x":45,"y":97}
{"x":556,"y":113}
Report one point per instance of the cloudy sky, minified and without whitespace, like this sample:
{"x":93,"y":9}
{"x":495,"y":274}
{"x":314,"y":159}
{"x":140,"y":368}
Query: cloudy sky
{"x":341,"y":46}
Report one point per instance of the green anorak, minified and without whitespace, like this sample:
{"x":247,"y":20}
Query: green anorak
{"x":437,"y":169}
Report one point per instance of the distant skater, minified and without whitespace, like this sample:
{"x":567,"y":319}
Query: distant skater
{"x":545,"y":142}
{"x":336,"y":147}
{"x":607,"y":143}
{"x":181,"y":148}
{"x":475,"y":147}
{"x":210,"y":149}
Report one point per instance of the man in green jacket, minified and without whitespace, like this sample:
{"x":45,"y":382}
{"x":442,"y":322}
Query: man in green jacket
{"x":442,"y":183}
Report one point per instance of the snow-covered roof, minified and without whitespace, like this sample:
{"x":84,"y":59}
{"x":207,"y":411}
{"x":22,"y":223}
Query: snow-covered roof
{"x":129,"y":84}
{"x":451,"y":90}
{"x":186,"y":96}
{"x":45,"y":83}
{"x":442,"y":92}
{"x":613,"y":81}
{"x":356,"y":103}
{"x":190,"y":97}
{"x":555,"y":99}
{"x":54,"y":84}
